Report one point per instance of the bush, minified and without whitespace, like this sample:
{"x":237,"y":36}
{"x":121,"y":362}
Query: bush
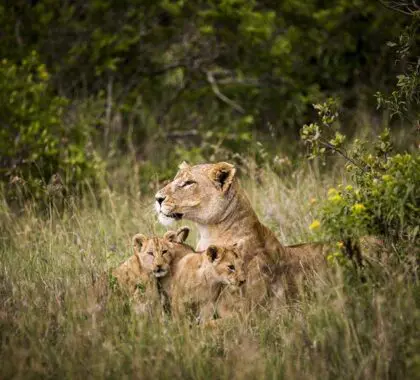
{"x":384,"y":199}
{"x":37,"y":145}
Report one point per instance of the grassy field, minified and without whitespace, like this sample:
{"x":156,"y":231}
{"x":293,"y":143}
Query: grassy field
{"x":52,"y":327}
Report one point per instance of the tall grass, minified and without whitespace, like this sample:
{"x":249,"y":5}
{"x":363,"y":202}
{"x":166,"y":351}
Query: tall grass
{"x":51,"y":325}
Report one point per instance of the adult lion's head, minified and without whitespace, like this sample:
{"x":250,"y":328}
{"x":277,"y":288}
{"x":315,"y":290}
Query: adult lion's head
{"x":200,"y":193}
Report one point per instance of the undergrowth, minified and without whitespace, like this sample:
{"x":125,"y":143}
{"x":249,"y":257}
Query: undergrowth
{"x":52,"y":327}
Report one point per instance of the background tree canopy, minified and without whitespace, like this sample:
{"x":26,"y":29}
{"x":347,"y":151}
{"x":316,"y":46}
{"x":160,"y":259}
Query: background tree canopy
{"x":212,"y":76}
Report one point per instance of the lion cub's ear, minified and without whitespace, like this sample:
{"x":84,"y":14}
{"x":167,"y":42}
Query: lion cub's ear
{"x":183,"y":165}
{"x":240,"y":246}
{"x":177,"y":237}
{"x":182,"y":234}
{"x":138,"y":241}
{"x":222,"y":175}
{"x":213,"y":253}
{"x":170,"y":236}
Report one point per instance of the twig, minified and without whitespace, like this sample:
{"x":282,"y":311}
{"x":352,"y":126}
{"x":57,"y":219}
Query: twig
{"x":340,"y":152}
{"x":17,"y":33}
{"x":223,"y":98}
{"x":398,"y":6}
{"x":182,"y":134}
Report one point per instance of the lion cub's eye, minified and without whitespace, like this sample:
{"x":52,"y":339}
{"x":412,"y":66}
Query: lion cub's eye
{"x":164,"y":251}
{"x":231,"y":268}
{"x":150,"y":253}
{"x":187,"y":183}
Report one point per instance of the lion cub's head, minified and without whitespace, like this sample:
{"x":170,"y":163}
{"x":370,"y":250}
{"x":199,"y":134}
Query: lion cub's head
{"x":228,"y":264}
{"x":157,"y":254}
{"x":200,"y":193}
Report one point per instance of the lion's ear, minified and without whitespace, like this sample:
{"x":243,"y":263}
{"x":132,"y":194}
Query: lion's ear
{"x":222,"y":175}
{"x":182,"y":234}
{"x":183,"y":165}
{"x":240,"y":245}
{"x":138,"y":241}
{"x":170,"y":236}
{"x":213,"y":253}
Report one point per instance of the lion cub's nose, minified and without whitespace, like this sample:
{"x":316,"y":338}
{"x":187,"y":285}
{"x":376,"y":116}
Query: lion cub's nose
{"x":159,"y":199}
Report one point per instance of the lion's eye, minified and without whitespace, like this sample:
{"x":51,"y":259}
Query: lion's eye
{"x":164,"y":251}
{"x":150,"y":253}
{"x":231,"y":268}
{"x":187,"y":183}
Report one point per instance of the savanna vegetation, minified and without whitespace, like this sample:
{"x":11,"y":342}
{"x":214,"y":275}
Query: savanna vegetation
{"x":318,"y":106}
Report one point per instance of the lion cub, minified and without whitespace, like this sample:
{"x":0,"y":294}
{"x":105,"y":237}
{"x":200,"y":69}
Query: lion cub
{"x":200,"y":278}
{"x":159,"y":257}
{"x":152,"y":260}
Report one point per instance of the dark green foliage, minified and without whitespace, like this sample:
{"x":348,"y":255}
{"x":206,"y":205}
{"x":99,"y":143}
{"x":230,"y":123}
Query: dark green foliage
{"x":37,"y":143}
{"x":221,"y":72}
{"x":405,"y":98}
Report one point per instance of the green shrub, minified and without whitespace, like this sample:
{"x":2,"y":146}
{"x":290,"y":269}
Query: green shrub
{"x":37,"y":144}
{"x":384,"y":199}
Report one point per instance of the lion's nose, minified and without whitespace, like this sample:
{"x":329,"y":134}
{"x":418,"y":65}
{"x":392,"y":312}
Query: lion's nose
{"x":160,"y":199}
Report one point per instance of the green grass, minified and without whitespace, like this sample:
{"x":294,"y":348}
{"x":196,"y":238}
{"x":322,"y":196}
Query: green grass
{"x":51,"y":326}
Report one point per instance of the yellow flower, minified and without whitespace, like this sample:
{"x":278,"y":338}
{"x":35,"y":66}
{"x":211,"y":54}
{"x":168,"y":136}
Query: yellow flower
{"x":358,"y":208}
{"x":332,"y":191}
{"x":315,"y":225}
{"x":349,"y":188}
{"x":335,"y":198}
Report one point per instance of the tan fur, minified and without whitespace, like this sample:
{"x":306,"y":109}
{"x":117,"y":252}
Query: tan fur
{"x":201,"y":277}
{"x":307,"y":253}
{"x":305,"y":262}
{"x":130,"y":274}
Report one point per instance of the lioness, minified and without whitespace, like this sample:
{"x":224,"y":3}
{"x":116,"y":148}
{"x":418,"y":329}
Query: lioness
{"x":210,"y":195}
{"x":200,"y":279}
